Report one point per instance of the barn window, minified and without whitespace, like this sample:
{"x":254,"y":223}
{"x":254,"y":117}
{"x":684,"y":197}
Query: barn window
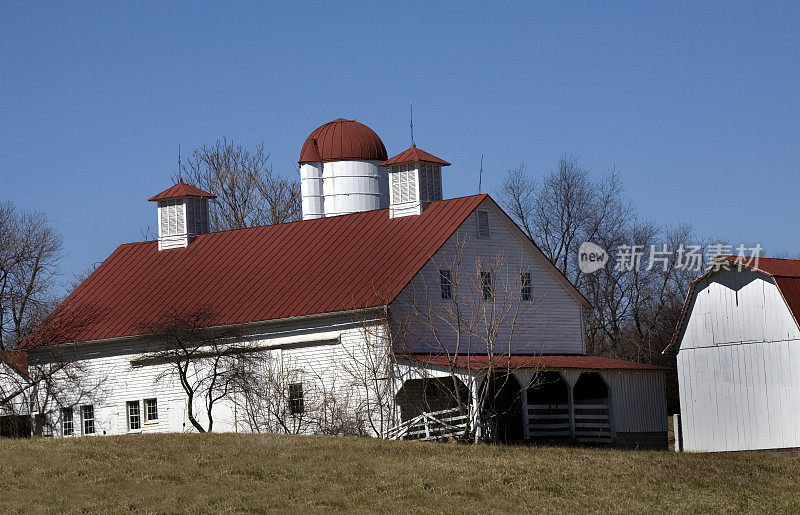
{"x":525,"y":286}
{"x":446,"y":284}
{"x":87,"y":417}
{"x":67,"y":425}
{"x":150,"y":410}
{"x":134,"y":416}
{"x":486,"y":285}
{"x":296,"y":401}
{"x":483,"y":224}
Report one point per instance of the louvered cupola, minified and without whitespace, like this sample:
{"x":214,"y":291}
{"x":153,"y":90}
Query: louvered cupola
{"x":415,"y":180}
{"x":182,"y":215}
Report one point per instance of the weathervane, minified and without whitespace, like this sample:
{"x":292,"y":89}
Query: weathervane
{"x":480,"y":175}
{"x":411,"y":107}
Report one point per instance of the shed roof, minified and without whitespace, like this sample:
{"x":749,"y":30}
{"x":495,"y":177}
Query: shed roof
{"x":262,"y":273}
{"x":785,"y":273}
{"x":478,"y":363}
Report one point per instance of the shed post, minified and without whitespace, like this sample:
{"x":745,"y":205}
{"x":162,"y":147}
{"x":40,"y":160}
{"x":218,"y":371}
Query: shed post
{"x":571,"y":377}
{"x":678,"y":432}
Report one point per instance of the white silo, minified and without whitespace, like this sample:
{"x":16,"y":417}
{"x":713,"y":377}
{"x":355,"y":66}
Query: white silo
{"x":341,"y":172}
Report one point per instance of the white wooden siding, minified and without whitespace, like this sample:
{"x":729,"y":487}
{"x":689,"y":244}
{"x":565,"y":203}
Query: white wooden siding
{"x":739,"y":397}
{"x":553,"y":326}
{"x":109,"y":364}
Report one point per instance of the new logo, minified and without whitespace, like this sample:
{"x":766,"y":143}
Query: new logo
{"x":591,"y":257}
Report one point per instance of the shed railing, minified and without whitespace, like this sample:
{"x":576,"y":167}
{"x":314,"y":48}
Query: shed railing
{"x":547,"y":421}
{"x":592,"y":423}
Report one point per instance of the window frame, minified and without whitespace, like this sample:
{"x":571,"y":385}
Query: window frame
{"x":446,"y":284}
{"x":147,"y":419}
{"x":487,"y":285}
{"x":297,"y":403}
{"x":63,"y":413}
{"x":129,"y":415}
{"x":526,"y":286}
{"x":85,"y":420}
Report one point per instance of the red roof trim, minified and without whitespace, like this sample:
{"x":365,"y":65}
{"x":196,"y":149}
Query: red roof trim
{"x":413,"y":155}
{"x":545,"y":361}
{"x":181,"y":190}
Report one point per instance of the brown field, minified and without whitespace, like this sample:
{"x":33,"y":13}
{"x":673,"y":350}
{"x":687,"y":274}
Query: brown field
{"x":180,"y":473}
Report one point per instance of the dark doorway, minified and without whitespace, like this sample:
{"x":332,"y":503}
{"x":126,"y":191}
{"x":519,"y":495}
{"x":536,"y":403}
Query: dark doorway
{"x":418,"y":396}
{"x":503,"y":409}
{"x":590,"y":389}
{"x":547,"y":399}
{"x":15,"y":426}
{"x":592,"y":414}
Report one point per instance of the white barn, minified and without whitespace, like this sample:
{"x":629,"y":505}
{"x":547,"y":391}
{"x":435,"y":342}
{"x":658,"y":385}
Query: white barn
{"x":738,"y":354}
{"x":382,"y":311}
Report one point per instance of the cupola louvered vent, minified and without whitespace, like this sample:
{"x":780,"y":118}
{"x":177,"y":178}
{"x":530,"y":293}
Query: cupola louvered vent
{"x":182,"y":215}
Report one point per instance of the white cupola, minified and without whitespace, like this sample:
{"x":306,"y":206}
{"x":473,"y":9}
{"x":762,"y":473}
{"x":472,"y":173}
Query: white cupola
{"x":415,"y":180}
{"x":182,"y":215}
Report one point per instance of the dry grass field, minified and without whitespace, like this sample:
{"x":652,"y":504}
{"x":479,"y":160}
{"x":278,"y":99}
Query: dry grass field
{"x":183,"y":473}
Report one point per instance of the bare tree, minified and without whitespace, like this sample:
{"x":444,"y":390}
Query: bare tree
{"x":29,"y":253}
{"x":634,"y":308}
{"x":206,"y":361}
{"x":480,"y":320}
{"x":282,"y":395}
{"x":248,"y":192}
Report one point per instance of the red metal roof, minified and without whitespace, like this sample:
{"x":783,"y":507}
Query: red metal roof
{"x":342,"y":140}
{"x":181,"y":190}
{"x":478,"y":363}
{"x":17,"y":360}
{"x":785,"y":273}
{"x":412,"y":155}
{"x":262,"y":273}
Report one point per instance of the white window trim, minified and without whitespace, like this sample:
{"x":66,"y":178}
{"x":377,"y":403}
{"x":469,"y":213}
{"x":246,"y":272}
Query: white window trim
{"x":94,"y":420}
{"x":128,"y":417}
{"x":145,"y":420}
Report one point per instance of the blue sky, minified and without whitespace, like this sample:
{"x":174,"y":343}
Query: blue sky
{"x":695,"y":104}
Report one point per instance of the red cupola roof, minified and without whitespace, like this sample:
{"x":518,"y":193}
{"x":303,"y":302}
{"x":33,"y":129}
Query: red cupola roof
{"x":343,"y":140}
{"x":412,"y":155}
{"x":181,"y":190}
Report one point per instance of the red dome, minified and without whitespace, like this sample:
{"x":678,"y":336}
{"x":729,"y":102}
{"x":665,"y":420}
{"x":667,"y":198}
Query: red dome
{"x":343,"y":140}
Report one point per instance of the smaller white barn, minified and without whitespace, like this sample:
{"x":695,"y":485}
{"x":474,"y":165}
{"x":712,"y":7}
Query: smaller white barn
{"x":738,"y":347}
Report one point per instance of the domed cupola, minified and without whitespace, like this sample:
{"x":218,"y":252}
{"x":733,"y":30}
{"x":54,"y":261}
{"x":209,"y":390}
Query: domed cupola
{"x":342,"y":140}
{"x":341,"y":172}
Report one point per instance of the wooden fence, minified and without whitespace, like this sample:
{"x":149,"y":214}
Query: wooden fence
{"x":430,"y":426}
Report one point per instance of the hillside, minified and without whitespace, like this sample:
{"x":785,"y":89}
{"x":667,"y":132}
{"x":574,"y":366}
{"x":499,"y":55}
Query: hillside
{"x":246,"y":473}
